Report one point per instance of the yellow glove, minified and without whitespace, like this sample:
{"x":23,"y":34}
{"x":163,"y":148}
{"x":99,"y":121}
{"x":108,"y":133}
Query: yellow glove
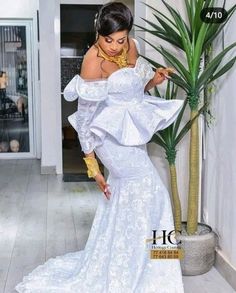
{"x":92,"y":165}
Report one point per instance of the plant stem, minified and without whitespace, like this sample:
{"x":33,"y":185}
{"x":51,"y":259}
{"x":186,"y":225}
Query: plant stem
{"x":192,"y":217}
{"x":175,"y":197}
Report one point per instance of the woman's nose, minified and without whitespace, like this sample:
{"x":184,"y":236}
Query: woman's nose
{"x":114,"y":46}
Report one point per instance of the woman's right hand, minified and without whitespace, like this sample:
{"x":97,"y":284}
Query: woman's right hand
{"x":103,"y":185}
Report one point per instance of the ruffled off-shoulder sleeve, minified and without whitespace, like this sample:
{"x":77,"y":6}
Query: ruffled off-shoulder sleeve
{"x":90,"y":94}
{"x":86,"y":90}
{"x":143,"y":67}
{"x":144,"y":70}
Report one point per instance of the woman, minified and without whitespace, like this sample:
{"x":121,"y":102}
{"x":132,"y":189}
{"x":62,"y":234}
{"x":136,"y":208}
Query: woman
{"x":115,"y":120}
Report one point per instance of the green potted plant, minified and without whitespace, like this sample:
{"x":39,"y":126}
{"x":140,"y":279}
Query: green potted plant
{"x":168,"y":139}
{"x":193,"y":38}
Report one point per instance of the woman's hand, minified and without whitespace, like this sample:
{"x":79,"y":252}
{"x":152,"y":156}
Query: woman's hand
{"x":161,"y":74}
{"x":103,"y":185}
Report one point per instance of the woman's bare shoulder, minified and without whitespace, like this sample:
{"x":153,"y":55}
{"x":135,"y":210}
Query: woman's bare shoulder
{"x":91,"y":66}
{"x":133,"y":52}
{"x":133,"y":45}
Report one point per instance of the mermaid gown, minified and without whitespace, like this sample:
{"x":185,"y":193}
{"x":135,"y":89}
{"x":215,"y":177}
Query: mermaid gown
{"x":116,"y":119}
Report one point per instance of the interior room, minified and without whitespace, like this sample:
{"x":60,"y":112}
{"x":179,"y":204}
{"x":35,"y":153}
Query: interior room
{"x":168,"y":171}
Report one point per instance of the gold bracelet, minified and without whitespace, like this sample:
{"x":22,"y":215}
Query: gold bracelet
{"x":92,"y":165}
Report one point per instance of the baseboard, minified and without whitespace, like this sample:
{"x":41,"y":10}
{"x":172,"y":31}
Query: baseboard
{"x":225,"y":268}
{"x":48,"y":169}
{"x":72,"y":177}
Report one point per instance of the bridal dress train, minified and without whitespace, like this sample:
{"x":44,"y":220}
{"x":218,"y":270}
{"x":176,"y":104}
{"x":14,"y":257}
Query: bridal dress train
{"x":116,"y":119}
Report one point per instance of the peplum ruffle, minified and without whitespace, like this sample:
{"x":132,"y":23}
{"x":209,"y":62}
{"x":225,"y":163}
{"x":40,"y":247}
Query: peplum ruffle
{"x":136,"y":123}
{"x":104,"y":108}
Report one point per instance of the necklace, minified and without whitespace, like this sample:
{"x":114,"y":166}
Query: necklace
{"x":121,"y":60}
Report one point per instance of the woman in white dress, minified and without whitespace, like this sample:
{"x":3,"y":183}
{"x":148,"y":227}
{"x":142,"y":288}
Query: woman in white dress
{"x":115,"y":119}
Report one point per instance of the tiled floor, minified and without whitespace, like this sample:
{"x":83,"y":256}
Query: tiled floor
{"x":42,"y":217}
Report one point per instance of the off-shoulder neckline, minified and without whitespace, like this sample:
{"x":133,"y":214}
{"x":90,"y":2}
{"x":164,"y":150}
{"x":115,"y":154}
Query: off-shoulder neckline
{"x":113,"y":73}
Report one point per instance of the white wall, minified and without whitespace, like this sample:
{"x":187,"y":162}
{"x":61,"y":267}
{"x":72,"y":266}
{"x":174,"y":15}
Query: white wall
{"x":50,"y":74}
{"x":19,"y":9}
{"x":220,"y":168}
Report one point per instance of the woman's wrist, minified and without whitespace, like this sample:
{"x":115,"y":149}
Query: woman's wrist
{"x":149,"y":85}
{"x":92,"y":165}
{"x":90,"y":155}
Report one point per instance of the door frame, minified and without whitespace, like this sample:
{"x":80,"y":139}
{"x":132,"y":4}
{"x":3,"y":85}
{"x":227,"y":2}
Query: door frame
{"x":32,"y":89}
{"x":139,"y":11}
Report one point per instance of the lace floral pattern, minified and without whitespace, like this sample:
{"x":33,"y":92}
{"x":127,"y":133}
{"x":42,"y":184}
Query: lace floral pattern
{"x":81,"y":121}
{"x":115,"y":258}
{"x":125,"y":113}
{"x":144,"y":70}
{"x":116,"y":120}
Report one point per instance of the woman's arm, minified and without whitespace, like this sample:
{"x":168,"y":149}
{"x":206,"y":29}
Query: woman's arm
{"x":99,"y":178}
{"x":91,"y":69}
{"x":160,"y":75}
{"x":92,"y":154}
{"x":149,"y":85}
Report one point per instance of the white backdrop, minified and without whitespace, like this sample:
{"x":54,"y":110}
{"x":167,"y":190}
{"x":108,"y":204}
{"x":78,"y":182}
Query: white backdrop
{"x":219,"y":180}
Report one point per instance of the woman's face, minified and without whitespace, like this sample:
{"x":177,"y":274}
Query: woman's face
{"x":114,"y":43}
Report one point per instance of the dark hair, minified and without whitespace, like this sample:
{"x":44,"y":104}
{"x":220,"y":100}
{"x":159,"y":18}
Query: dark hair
{"x":113,"y":17}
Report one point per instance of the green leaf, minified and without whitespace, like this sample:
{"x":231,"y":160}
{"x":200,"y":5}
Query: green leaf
{"x":223,"y":70}
{"x":188,"y":8}
{"x":162,"y":35}
{"x":164,"y":134}
{"x":192,"y":5}
{"x":216,"y":28}
{"x":174,"y":77}
{"x":174,"y":90}
{"x":157,"y":139}
{"x":197,"y":22}
{"x":156,"y":92}
{"x":177,"y":64}
{"x":176,"y":16}
{"x":183,"y":30}
{"x":208,"y":3}
{"x":158,"y":12}
{"x":212,"y":66}
{"x":171,"y":33}
{"x":180,"y":82}
{"x":154,"y":63}
{"x":155,"y":26}
{"x":167,"y":95}
{"x":173,"y":61}
{"x":198,"y":49}
{"x":179,"y":118}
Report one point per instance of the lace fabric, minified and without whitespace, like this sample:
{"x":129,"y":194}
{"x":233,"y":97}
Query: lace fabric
{"x":116,"y":119}
{"x":81,"y":120}
{"x":115,"y":258}
{"x":118,"y":106}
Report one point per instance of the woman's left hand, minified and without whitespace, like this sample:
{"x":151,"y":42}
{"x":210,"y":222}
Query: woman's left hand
{"x":161,"y":74}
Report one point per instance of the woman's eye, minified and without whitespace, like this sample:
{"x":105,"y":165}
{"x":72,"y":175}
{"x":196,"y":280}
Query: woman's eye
{"x":108,"y":40}
{"x":121,"y":42}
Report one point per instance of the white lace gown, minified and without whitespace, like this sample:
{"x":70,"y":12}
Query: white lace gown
{"x":116,"y":120}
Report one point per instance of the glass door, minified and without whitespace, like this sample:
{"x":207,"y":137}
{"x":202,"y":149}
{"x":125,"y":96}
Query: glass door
{"x":77,"y":35}
{"x":16,"y":99}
